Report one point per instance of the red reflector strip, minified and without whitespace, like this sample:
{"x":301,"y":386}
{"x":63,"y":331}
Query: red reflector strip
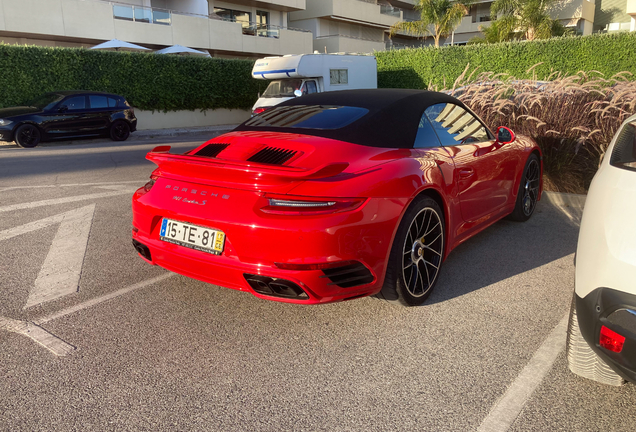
{"x":316,"y":266}
{"x":610,"y":340}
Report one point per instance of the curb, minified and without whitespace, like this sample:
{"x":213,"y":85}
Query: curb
{"x":153,"y":133}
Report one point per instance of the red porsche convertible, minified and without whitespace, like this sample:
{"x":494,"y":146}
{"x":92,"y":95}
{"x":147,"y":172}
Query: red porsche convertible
{"x":335,"y":196}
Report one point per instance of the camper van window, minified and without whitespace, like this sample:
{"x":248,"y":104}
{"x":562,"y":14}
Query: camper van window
{"x":339,"y":76}
{"x":282,"y":88}
{"x":310,"y":87}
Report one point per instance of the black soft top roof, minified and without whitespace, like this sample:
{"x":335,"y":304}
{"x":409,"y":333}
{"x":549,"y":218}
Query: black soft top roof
{"x":392,"y":120}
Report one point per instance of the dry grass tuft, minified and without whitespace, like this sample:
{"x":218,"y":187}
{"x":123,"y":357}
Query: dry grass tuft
{"x":573,"y":118}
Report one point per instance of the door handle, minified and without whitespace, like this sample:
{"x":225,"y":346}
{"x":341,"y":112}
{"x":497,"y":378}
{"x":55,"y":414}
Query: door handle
{"x":466,"y":172}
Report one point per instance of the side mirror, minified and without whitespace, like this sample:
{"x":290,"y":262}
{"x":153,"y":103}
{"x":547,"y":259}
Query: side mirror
{"x":62,"y":109}
{"x":505,"y":135}
{"x":298,"y":93}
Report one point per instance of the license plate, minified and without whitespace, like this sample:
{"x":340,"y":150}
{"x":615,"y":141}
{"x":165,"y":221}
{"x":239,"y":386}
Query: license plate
{"x":192,"y":236}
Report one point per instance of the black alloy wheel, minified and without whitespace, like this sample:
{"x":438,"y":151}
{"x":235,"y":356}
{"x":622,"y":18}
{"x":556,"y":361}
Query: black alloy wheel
{"x":422,"y":252}
{"x":120,"y":130}
{"x":27,"y":136}
{"x":528,"y":190}
{"x":416,"y":255}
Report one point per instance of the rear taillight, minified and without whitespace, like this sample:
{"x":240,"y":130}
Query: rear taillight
{"x":259,"y":110}
{"x":610,"y":340}
{"x":624,"y":153}
{"x":294,"y":205}
{"x":150,"y":184}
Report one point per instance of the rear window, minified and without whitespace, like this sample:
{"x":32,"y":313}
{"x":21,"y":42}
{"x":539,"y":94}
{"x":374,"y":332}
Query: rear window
{"x":307,"y":117}
{"x":98,"y":101}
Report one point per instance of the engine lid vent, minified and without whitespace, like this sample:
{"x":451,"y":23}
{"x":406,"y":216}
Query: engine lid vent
{"x":272,"y":155}
{"x":211,"y":150}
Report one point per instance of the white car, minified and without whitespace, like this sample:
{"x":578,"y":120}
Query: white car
{"x":602,"y":329}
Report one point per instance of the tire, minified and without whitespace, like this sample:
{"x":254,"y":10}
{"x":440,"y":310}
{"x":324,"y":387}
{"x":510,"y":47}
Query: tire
{"x":119,"y":130}
{"x":582,"y":360}
{"x":528,"y":190}
{"x":415,"y":261}
{"x":27,"y":136}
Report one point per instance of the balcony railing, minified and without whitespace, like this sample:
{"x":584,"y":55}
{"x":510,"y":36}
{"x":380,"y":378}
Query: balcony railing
{"x":385,"y":9}
{"x":142,"y":14}
{"x":128,"y":12}
{"x":390,"y":10}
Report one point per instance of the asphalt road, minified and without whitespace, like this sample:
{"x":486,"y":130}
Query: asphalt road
{"x":149,"y":350}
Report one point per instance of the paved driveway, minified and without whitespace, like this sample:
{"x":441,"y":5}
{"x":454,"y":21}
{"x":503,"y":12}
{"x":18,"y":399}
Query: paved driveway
{"x":139,"y":348}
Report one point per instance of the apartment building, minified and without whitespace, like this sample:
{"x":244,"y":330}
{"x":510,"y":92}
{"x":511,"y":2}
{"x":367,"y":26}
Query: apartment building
{"x":615,"y":15}
{"x":347,"y":25}
{"x":240,"y":28}
{"x":575,"y":14}
{"x":257,"y":28}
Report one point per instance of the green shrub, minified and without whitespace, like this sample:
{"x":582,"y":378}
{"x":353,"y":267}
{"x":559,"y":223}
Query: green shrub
{"x":424,"y":67}
{"x":148,"y":81}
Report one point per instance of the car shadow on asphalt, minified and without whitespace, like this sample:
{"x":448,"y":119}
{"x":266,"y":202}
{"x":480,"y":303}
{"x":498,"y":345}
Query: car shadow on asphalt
{"x":507,"y":249}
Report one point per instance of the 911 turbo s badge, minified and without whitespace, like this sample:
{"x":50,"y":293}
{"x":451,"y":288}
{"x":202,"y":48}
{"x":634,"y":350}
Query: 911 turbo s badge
{"x":187,"y":201}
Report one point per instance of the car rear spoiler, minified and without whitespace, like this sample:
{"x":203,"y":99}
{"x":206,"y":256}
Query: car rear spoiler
{"x":196,"y":166}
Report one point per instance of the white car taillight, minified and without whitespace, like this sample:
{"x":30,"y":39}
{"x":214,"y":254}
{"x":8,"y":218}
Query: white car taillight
{"x":624,"y":153}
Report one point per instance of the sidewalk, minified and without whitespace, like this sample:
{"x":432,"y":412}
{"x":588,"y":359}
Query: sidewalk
{"x":137,"y":135}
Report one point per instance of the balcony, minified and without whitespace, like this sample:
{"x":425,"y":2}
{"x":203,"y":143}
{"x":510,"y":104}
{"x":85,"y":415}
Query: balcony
{"x":365,"y":12}
{"x":631,"y":8}
{"x":96,"y":20}
{"x":342,"y":43}
{"x":164,"y":17}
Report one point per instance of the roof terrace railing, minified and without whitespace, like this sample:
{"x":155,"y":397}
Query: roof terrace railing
{"x":151,"y":15}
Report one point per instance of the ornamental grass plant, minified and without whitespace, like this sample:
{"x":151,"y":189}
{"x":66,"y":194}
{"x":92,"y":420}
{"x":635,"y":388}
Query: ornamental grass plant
{"x":573,"y":118}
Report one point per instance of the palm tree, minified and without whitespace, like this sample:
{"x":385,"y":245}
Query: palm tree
{"x":439,"y":18}
{"x":531,"y":18}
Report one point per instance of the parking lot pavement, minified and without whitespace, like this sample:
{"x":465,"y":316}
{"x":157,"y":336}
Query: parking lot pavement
{"x":138,"y":348}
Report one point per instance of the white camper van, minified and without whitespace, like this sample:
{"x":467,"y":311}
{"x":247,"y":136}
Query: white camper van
{"x":295,"y":75}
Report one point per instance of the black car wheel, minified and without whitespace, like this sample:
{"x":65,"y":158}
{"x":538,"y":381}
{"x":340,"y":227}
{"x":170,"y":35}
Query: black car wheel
{"x":416,"y":255}
{"x":528,"y":190}
{"x":120,"y":130}
{"x":27,"y":136}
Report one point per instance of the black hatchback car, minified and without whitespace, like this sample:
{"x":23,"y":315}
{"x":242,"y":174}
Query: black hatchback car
{"x":66,"y":114}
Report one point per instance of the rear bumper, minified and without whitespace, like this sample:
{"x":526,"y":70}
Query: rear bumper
{"x":615,"y":310}
{"x":255,"y":243}
{"x":231,"y":273}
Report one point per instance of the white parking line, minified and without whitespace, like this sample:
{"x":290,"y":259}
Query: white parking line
{"x":33,"y":226}
{"x":62,"y":268}
{"x":139,"y":182}
{"x":49,"y":341}
{"x":53,"y":343}
{"x":33,"y":204}
{"x":507,"y":409}
{"x":97,"y":300}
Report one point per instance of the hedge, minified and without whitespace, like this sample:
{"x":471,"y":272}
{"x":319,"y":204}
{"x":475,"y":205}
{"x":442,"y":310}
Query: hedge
{"x":148,"y":81}
{"x":419,"y":67}
{"x":166,"y":83}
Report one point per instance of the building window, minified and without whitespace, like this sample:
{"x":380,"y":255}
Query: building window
{"x":262,"y":18}
{"x":339,"y":76}
{"x":234,"y":15}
